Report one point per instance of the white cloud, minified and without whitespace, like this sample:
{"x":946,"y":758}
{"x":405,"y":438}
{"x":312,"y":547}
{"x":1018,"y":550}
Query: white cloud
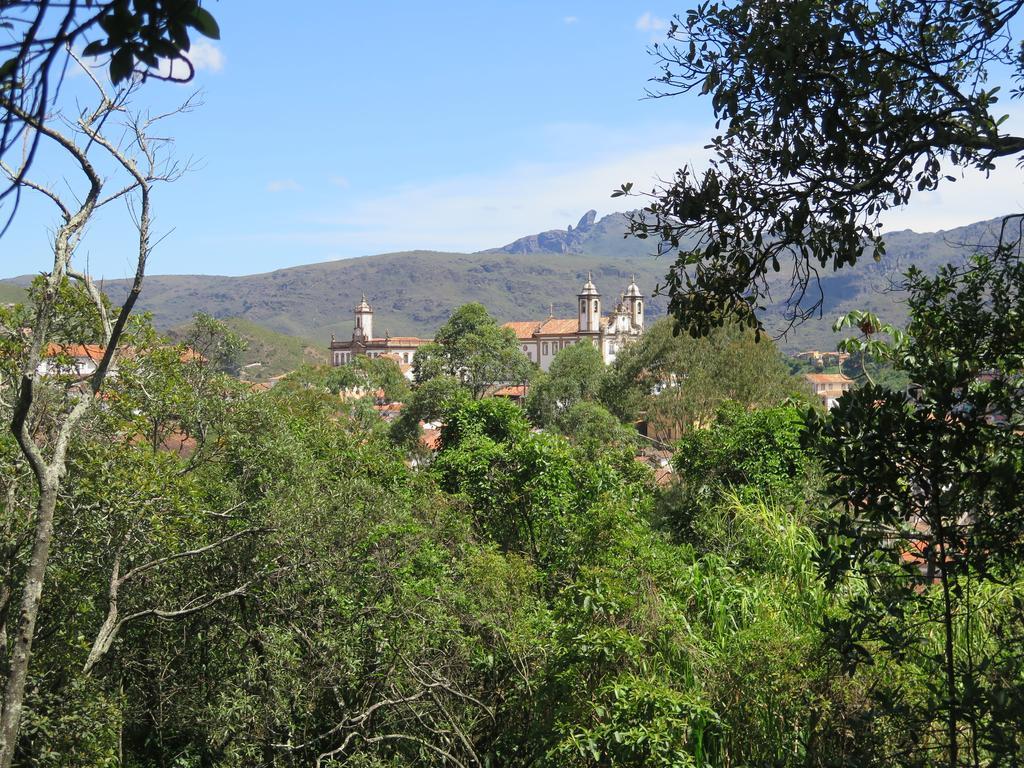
{"x":479,"y":211}
{"x":204,"y":55}
{"x":570,"y":19}
{"x":651,"y":23}
{"x":972,"y":197}
{"x":283,"y":185}
{"x":340,"y":182}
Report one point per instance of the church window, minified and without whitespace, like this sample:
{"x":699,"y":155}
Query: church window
{"x":595,"y":306}
{"x":545,"y":347}
{"x":583,"y":305}
{"x":639,"y":307}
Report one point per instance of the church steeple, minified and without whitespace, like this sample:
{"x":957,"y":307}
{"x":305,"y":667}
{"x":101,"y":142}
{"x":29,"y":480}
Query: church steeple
{"x":364,"y":320}
{"x":589,"y":307}
{"x":635,"y":302}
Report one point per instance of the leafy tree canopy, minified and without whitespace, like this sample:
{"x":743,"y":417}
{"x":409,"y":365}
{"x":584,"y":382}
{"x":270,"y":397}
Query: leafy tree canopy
{"x":472,"y":347}
{"x":927,"y":487}
{"x":575,"y":375}
{"x":681,"y":381}
{"x":830,"y":114}
{"x":750,"y":454}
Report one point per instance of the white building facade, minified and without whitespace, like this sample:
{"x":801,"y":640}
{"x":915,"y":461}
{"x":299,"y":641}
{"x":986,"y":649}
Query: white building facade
{"x":402,"y":349}
{"x":541,"y":340}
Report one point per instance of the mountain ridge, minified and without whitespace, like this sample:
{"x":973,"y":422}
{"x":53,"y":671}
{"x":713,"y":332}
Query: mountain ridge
{"x":414,"y":291}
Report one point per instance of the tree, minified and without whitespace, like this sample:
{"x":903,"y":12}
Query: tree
{"x":476,"y":350}
{"x":575,"y":375}
{"x":212,"y":339}
{"x":593,"y":427}
{"x":680,"y":382}
{"x":930,"y":516}
{"x":364,"y":373}
{"x":753,"y":455}
{"x":429,"y":402}
{"x":830,"y":114}
{"x":137,"y":35}
{"x":111,"y":170}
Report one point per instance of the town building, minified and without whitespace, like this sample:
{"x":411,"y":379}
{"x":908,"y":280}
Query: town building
{"x":402,"y":349}
{"x":79,"y":361}
{"x":541,"y":340}
{"x":829,"y":387}
{"x":821,"y":359}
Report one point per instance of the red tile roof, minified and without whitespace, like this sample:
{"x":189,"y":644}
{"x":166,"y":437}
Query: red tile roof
{"x":91,"y":351}
{"x":431,"y":438}
{"x":559,"y":327}
{"x":524,"y":329}
{"x":515,"y":390}
{"x":95,"y":352}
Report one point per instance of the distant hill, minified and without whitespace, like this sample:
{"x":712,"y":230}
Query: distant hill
{"x":267,"y":353}
{"x":413,"y":292}
{"x":10,"y":293}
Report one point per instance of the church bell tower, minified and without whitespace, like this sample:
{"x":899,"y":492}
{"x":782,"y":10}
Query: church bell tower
{"x":364,"y":321}
{"x":589,"y":307}
{"x":635,"y":304}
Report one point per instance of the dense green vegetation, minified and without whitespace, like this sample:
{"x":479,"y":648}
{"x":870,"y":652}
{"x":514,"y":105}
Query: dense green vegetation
{"x":244,"y":578}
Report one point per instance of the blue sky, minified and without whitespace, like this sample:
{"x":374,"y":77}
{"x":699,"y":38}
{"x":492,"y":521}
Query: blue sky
{"x":335,"y":129}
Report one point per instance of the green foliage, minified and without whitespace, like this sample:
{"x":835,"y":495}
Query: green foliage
{"x":929,"y":510}
{"x":429,"y":402}
{"x":473,"y":348}
{"x":512,"y":603}
{"x":592,"y":428}
{"x":680,"y":381}
{"x":808,"y":96}
{"x":364,"y":374}
{"x":134,"y":34}
{"x":753,"y":454}
{"x":575,"y":375}
{"x":264,"y":353}
{"x":221,"y":347}
{"x":76,"y":320}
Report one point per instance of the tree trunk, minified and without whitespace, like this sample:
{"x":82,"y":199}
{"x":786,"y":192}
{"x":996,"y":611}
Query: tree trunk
{"x":947,"y":608}
{"x":21,"y":652}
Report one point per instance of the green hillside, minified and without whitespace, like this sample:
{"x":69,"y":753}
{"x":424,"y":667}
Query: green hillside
{"x":11,"y":294}
{"x":268,"y":353}
{"x":413,"y":292}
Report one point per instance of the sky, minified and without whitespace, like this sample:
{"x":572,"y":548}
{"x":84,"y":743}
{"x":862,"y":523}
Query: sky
{"x":333,"y":128}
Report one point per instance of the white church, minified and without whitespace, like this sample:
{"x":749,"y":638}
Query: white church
{"x":541,"y":340}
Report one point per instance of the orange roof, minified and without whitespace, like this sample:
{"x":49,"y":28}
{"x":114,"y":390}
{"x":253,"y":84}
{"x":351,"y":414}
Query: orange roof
{"x":559,"y":327}
{"x":524,"y":329}
{"x":515,"y":390}
{"x":827,"y":378}
{"x":431,"y":438}
{"x":663,"y":475}
{"x":91,"y":351}
{"x":95,"y":352}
